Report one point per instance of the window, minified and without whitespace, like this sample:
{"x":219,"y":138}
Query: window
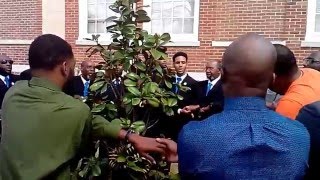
{"x":313,"y":24}
{"x":180,"y":18}
{"x":92,"y":16}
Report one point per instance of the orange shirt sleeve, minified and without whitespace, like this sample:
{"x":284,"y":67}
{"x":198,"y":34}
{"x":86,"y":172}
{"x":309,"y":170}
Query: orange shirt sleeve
{"x":288,"y":108}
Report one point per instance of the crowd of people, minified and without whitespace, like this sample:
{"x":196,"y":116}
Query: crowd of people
{"x":222,"y":129}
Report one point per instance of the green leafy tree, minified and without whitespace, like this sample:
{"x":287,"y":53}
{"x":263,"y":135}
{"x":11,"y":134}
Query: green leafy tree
{"x":146,"y":94}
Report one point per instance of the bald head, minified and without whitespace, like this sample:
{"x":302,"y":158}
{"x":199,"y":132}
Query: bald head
{"x":5,"y":64}
{"x":248,"y":65}
{"x":87,"y":69}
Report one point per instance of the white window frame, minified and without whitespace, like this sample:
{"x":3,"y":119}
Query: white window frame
{"x":104,"y":39}
{"x":312,"y":38}
{"x":183,"y":39}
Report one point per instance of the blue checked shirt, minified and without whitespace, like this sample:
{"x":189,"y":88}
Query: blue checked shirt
{"x":245,"y":141}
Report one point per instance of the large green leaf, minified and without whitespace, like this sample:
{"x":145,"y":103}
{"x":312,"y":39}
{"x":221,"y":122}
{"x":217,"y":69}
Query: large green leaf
{"x":168,"y":84}
{"x":159,"y":69}
{"x":133,"y":76}
{"x":84,"y":171}
{"x":111,"y":107}
{"x":130,"y":83}
{"x":155,"y":53}
{"x":164,"y":101}
{"x":154,"y":102}
{"x":119,"y":55}
{"x":96,"y":86}
{"x":136,"y":101}
{"x":135,"y":91}
{"x":98,"y":108}
{"x":138,"y":126}
{"x":141,"y":66}
{"x":133,"y":166}
{"x":169,"y":111}
{"x":180,"y":97}
{"x":96,"y":171}
{"x":121,"y":159}
{"x":104,"y":88}
{"x":172,"y":102}
{"x":165,"y":37}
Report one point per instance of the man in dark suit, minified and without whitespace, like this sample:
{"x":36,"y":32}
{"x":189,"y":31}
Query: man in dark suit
{"x":78,"y":86}
{"x":209,"y":93}
{"x":181,"y":80}
{"x":7,"y":78}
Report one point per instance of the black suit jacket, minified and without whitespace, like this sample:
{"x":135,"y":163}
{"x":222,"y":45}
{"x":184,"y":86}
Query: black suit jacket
{"x":3,"y":87}
{"x":215,"y":97}
{"x":174,"y":124}
{"x":189,"y":95}
{"x":74,"y":87}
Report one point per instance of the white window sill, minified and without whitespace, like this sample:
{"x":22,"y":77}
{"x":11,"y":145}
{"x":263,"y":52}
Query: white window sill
{"x":183,"y":44}
{"x":310,"y":43}
{"x":15,"y":42}
{"x":227,"y":43}
{"x":83,"y":42}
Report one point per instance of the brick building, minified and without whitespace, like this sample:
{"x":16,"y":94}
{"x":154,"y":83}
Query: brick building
{"x":202,"y":28}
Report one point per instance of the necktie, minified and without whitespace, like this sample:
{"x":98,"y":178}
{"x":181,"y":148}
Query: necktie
{"x":86,"y":89}
{"x":7,"y":81}
{"x":178,"y":80}
{"x":208,"y":87}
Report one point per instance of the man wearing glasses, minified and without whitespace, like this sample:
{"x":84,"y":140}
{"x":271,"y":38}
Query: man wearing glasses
{"x":7,"y":79}
{"x":312,"y":61}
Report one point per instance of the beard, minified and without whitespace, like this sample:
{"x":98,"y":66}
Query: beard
{"x":69,"y":78}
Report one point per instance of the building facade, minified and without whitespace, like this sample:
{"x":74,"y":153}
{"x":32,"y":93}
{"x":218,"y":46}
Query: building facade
{"x":202,"y":28}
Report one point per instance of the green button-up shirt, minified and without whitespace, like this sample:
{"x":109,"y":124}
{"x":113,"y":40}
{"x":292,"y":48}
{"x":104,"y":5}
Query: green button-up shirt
{"x":43,"y":130}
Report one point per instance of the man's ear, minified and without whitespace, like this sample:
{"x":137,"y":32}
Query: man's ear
{"x":64,"y":69}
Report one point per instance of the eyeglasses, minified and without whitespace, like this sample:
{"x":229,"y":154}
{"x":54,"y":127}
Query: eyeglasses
{"x":6,"y":61}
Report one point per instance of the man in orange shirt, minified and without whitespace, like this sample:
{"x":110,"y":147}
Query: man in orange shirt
{"x":299,"y":86}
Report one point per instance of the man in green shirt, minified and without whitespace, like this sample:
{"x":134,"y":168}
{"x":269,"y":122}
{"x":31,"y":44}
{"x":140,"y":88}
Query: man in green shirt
{"x":43,"y":128}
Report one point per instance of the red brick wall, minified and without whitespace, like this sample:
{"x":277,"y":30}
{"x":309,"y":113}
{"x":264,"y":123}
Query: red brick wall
{"x":225,"y":20}
{"x":220,"y":20}
{"x":19,"y":20}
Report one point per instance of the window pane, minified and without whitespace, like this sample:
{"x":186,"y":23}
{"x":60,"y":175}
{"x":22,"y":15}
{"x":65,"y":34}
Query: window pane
{"x":166,"y":25}
{"x":91,"y":11}
{"x":155,"y":26}
{"x":101,"y":26}
{"x":189,"y":8}
{"x":178,"y":9}
{"x":156,"y":11}
{"x":317,"y":27}
{"x":102,"y":9}
{"x":177,"y":25}
{"x":91,"y":27}
{"x":188,"y":26}
{"x":167,"y":10}
{"x":318,"y":6}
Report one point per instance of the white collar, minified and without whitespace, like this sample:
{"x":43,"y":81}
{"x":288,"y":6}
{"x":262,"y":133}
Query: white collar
{"x":83,"y":80}
{"x":182,"y":77}
{"x":214,"y":82}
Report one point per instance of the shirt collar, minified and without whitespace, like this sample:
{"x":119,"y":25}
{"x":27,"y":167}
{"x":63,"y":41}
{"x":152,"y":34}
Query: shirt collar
{"x":42,"y":82}
{"x":213,"y":82}
{"x":182,"y":77}
{"x":245,"y":103}
{"x":83,"y":80}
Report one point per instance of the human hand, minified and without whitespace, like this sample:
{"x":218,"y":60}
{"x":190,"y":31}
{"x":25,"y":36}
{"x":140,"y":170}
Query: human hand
{"x":205,"y":109}
{"x":145,"y":145}
{"x":171,"y":151}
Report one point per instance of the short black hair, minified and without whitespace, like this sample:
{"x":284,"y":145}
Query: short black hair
{"x":286,"y":63}
{"x":179,"y":54}
{"x":47,"y":51}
